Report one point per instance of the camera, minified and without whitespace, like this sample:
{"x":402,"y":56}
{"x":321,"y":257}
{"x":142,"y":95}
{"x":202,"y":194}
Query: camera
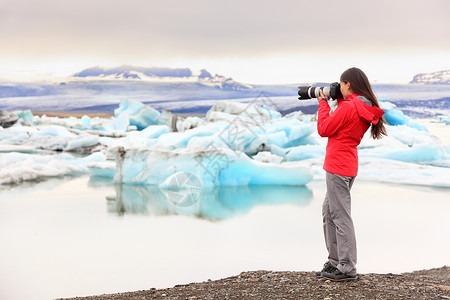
{"x":308,"y":92}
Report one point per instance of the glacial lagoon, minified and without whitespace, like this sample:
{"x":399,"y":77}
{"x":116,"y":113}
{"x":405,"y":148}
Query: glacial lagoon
{"x":78,"y":236}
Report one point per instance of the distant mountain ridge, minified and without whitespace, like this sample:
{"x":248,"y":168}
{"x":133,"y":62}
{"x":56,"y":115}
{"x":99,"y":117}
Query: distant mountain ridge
{"x":440,"y":77}
{"x":132,"y":72}
{"x":127,"y":72}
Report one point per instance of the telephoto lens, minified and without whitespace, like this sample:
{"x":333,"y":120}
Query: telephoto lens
{"x":308,"y":92}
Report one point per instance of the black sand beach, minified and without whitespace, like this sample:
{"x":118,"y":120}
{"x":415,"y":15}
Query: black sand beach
{"x":426,"y":284}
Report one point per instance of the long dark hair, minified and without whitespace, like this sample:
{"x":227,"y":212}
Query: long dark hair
{"x":360,"y":84}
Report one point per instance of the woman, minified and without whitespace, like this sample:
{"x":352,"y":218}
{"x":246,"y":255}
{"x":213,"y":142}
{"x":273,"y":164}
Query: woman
{"x":345,"y":128}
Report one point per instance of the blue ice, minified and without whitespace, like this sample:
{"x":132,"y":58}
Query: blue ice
{"x":219,"y":167}
{"x":397,"y":117}
{"x":421,"y":153}
{"x":139,"y":114}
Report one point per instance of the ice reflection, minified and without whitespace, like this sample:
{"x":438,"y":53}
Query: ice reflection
{"x":214,"y":203}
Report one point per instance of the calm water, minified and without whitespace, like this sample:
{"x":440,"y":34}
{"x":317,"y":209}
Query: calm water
{"x":75,"y":237}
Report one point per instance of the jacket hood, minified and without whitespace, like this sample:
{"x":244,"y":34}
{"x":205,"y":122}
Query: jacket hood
{"x":370,"y":114}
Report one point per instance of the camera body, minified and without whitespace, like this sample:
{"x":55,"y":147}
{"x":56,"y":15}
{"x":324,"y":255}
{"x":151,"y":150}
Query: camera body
{"x":308,"y":92}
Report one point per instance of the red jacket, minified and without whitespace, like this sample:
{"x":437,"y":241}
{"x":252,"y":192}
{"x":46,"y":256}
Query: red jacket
{"x":345,"y":128}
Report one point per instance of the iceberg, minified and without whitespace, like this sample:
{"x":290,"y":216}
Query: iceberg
{"x":218,"y":167}
{"x":235,"y":144}
{"x":407,"y":144}
{"x":267,"y":156}
{"x":52,"y":137}
{"x":19,"y":167}
{"x":305,"y":152}
{"x":416,"y":153}
{"x":398,"y":172}
{"x":442,"y":119}
{"x":250,"y":135}
{"x":140,"y":115}
{"x":26,"y":116}
{"x":7,"y":119}
{"x":120,"y":123}
{"x":100,"y":165}
{"x":250,"y":113}
{"x":397,"y":117}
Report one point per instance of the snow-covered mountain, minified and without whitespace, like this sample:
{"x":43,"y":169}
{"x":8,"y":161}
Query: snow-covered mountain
{"x":183,"y":91}
{"x":441,"y":77}
{"x":127,"y":72}
{"x":101,"y":89}
{"x":132,"y":72}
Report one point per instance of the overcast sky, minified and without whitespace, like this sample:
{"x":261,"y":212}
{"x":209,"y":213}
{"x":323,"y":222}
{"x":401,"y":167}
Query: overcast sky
{"x":283,"y":41}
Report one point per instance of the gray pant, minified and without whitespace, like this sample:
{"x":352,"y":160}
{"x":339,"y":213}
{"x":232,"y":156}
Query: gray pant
{"x":338,"y":225}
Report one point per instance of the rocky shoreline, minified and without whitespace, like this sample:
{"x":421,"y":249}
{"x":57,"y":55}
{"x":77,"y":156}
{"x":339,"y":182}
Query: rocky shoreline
{"x":426,"y":284}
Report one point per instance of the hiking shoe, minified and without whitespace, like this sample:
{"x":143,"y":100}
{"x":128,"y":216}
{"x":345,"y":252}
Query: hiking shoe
{"x":338,"y":276}
{"x":327,"y":267}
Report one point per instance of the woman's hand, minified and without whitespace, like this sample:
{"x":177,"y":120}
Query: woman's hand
{"x":322,"y":97}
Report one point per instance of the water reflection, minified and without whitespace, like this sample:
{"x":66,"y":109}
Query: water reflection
{"x":213,"y":204}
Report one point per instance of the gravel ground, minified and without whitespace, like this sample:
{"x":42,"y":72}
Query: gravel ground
{"x":427,"y":284}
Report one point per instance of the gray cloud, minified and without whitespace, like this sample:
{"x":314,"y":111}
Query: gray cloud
{"x":285,"y":38}
{"x":213,"y":28}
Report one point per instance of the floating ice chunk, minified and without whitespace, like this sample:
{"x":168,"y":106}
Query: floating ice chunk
{"x":106,"y":169}
{"x":95,"y":157}
{"x":81,"y":142}
{"x":305,"y":152}
{"x":386,"y":105}
{"x":172,"y":140}
{"x":19,"y":167}
{"x":442,"y":119}
{"x":137,"y":139}
{"x":54,"y":130}
{"x":15,"y":135}
{"x":100,"y":166}
{"x":268,"y":157}
{"x":7,"y":119}
{"x":21,"y":149}
{"x":168,"y":118}
{"x":147,"y":137}
{"x":411,"y":136}
{"x":42,"y":137}
{"x":404,"y":143}
{"x":86,"y":122}
{"x":249,"y":113}
{"x":398,"y":136}
{"x":417,"y":126}
{"x":222,"y":167}
{"x":53,"y":137}
{"x":238,"y":138}
{"x":298,"y":115}
{"x":25,"y":115}
{"x":189,"y":123}
{"x":120,"y":123}
{"x":250,"y":138}
{"x":237,"y":108}
{"x":416,"y":153}
{"x":218,"y":116}
{"x":391,"y":171}
{"x":397,"y":117}
{"x":286,"y":132}
{"x":139,"y":114}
